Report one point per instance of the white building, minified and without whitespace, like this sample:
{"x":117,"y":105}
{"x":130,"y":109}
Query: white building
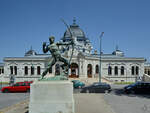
{"x":84,"y":64}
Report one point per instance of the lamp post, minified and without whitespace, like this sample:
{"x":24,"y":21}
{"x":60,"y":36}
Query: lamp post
{"x":100,"y":56}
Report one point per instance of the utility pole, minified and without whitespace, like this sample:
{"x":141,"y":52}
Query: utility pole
{"x":100,"y":56}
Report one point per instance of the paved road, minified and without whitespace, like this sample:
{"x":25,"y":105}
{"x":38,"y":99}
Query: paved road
{"x":8,"y":99}
{"x":123,"y":103}
{"x":119,"y":101}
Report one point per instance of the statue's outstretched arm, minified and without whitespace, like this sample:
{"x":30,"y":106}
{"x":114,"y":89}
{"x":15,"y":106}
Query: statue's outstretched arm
{"x":45,"y":48}
{"x":66,"y":43}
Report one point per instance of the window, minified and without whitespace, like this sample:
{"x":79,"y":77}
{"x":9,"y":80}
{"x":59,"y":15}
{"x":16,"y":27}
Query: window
{"x":148,"y":72}
{"x":38,"y":70}
{"x":137,"y":70}
{"x":23,"y":84}
{"x":15,"y":67}
{"x":122,"y":70}
{"x":26,"y":70}
{"x":17,"y":84}
{"x":11,"y":70}
{"x":32,"y":70}
{"x":116,"y":70}
{"x":145,"y":71}
{"x":109,"y":70}
{"x":2,"y":70}
{"x":89,"y":70}
{"x":83,"y":50}
{"x":97,"y":69}
{"x":132,"y":70}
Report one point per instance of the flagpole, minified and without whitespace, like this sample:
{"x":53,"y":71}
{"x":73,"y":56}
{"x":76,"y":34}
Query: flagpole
{"x":100,"y":57}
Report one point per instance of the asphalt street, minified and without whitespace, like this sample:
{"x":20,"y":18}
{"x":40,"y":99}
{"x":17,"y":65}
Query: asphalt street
{"x":117,"y":100}
{"x":8,"y":99}
{"x":127,"y":103}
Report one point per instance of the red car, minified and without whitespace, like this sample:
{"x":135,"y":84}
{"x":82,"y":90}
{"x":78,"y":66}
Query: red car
{"x":18,"y":87}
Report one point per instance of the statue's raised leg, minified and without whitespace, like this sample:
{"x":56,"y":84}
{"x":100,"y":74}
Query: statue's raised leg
{"x":64,"y":66}
{"x":50,"y":64}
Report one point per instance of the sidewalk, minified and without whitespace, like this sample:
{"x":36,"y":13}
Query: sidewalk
{"x":84,"y":103}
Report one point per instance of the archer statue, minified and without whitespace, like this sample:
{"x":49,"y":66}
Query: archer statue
{"x":53,"y":48}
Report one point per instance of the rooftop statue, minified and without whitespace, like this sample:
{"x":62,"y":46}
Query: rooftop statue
{"x":53,"y":48}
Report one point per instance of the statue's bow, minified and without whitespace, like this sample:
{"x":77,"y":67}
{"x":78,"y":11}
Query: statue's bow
{"x":71,"y":36}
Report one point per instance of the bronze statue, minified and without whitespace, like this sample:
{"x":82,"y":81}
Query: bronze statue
{"x":56,"y":55}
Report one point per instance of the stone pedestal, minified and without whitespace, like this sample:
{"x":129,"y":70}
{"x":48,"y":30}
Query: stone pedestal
{"x":51,"y":97}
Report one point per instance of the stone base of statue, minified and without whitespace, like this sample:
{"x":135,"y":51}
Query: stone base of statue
{"x":51,"y":97}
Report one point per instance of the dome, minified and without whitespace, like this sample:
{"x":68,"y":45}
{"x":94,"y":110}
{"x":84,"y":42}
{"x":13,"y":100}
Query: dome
{"x":75,"y":30}
{"x":30,"y":52}
{"x":118,"y":52}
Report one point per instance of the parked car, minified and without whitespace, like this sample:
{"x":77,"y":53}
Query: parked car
{"x":77,"y":84}
{"x":138,"y":87}
{"x":18,"y":87}
{"x":97,"y":88}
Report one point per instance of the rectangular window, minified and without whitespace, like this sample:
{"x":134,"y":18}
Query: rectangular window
{"x":11,"y":70}
{"x":26,"y":70}
{"x":32,"y":70}
{"x":2,"y":70}
{"x":15,"y":70}
{"x":38,"y":70}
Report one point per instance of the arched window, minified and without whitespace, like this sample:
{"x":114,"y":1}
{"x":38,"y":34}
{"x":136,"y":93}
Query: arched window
{"x":74,"y":70}
{"x":3,"y":70}
{"x":50,"y":70}
{"x":145,"y":71}
{"x":15,"y":67}
{"x":122,"y":70}
{"x":38,"y":70}
{"x":89,"y":70}
{"x":11,"y":70}
{"x":148,"y":72}
{"x":32,"y":70}
{"x":26,"y":70}
{"x":97,"y":69}
{"x":57,"y":69}
{"x":132,"y":70}
{"x":116,"y":70}
{"x":109,"y":70}
{"x":137,"y":70}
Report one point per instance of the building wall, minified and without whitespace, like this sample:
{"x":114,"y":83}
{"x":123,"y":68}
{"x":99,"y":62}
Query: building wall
{"x":82,"y":65}
{"x":21,"y":67}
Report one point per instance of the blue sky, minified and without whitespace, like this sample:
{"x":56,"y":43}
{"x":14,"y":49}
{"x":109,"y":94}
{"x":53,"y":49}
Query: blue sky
{"x":26,"y":23}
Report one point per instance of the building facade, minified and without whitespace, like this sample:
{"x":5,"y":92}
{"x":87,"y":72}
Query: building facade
{"x":84,"y":64}
{"x":1,"y":69}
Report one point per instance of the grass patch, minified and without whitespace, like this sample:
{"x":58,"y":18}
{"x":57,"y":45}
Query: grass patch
{"x":124,"y":82}
{"x":4,"y":82}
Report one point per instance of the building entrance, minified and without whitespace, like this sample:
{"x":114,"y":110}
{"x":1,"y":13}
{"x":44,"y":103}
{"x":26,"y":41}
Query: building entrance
{"x":74,"y":71}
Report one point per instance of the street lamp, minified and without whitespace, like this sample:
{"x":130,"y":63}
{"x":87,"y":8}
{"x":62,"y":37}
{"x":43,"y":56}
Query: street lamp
{"x":100,"y":56}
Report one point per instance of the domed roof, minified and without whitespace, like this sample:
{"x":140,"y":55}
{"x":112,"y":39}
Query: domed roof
{"x":30,"y":52}
{"x":118,"y":52}
{"x":75,"y":30}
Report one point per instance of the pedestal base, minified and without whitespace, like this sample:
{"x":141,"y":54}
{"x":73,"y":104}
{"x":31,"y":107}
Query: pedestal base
{"x":51,"y":97}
